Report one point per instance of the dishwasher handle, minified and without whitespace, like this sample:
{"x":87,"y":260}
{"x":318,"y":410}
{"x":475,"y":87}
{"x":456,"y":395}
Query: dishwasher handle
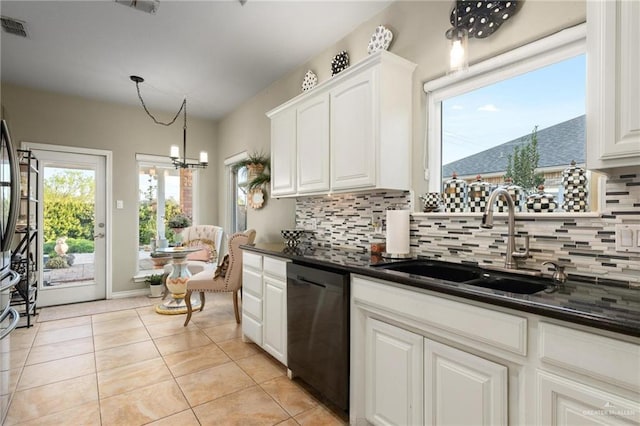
{"x":306,"y":281}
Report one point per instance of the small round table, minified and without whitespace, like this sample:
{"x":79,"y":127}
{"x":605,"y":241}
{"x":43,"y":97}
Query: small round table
{"x":177,"y":282}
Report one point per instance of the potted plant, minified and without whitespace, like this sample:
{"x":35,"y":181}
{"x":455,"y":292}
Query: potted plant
{"x":155,"y":284}
{"x":258,"y":166}
{"x":179,"y":221}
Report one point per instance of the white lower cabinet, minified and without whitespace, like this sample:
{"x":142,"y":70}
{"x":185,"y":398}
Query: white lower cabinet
{"x":439,"y":360}
{"x":393,"y":364}
{"x":274,"y":334}
{"x":252,"y":296}
{"x":264,"y":303}
{"x":462,"y":388}
{"x":411,"y":380}
{"x":566,"y":402}
{"x":573,"y":394}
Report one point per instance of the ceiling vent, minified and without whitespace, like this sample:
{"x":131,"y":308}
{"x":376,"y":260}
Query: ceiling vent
{"x":13,"y":26}
{"x":149,"y":6}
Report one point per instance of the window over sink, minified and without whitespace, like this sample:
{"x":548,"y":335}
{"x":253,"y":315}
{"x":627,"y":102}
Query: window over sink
{"x":519,"y":115}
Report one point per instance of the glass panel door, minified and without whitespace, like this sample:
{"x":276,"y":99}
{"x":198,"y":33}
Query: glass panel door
{"x":74,"y":227}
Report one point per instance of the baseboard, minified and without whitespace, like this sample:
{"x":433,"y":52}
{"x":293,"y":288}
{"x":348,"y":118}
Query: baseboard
{"x":130,"y":293}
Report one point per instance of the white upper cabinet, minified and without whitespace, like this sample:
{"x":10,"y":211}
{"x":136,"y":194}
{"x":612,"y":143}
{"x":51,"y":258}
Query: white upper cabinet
{"x":613,"y":101}
{"x":353,"y":156}
{"x":283,"y":153}
{"x":313,"y":145}
{"x":353,"y":132}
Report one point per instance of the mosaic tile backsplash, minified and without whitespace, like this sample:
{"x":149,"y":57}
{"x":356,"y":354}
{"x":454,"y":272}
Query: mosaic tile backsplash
{"x":584,"y":245}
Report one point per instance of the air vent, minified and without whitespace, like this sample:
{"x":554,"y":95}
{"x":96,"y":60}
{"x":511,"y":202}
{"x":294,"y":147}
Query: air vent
{"x":149,"y":6}
{"x":13,"y":26}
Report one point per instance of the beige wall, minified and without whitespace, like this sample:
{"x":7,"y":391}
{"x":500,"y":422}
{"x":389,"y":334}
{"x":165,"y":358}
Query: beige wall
{"x":44,"y":117}
{"x":418,"y":28}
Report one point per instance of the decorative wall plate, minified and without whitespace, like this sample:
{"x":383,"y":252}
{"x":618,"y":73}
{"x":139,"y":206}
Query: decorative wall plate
{"x":255,"y":198}
{"x":340,"y":62}
{"x":310,"y":81}
{"x":380,"y":39}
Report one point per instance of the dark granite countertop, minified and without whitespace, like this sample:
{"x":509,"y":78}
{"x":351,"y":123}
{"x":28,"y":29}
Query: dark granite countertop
{"x":605,"y":307}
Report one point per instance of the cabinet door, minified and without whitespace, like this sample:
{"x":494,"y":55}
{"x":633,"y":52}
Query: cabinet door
{"x":283,"y":153}
{"x":563,"y":402}
{"x":613,"y":101}
{"x":313,"y":145}
{"x":393,"y":375}
{"x":353,"y":133}
{"x":463,"y":389}
{"x":275,"y":318}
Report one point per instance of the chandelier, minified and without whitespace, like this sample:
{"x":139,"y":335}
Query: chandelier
{"x":174,"y":152}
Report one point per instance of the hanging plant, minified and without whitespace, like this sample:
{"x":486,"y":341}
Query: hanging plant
{"x":258,"y":167}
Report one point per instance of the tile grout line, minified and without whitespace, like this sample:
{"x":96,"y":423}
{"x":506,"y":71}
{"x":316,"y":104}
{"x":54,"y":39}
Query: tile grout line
{"x":95,"y":363}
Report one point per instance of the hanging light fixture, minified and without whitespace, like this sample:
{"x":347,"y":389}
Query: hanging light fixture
{"x":458,"y":38}
{"x":475,"y":19}
{"x":174,"y":153}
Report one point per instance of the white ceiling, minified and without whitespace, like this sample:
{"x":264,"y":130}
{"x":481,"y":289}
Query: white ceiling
{"x":217,"y":53}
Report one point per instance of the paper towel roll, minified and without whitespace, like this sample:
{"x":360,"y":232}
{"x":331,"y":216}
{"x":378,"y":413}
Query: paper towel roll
{"x":398,"y":231}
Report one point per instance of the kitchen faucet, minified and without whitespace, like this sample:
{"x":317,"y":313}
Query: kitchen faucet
{"x":487,"y":222}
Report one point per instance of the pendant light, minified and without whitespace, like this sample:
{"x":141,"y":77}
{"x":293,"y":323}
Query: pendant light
{"x":174,"y":152}
{"x":458,"y":42}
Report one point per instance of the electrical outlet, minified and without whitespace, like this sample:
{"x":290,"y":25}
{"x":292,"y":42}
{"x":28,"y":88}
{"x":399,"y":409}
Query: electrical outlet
{"x":313,"y":224}
{"x":628,"y":238}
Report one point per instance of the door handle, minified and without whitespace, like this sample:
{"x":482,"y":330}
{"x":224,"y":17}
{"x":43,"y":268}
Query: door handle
{"x":100,"y":235}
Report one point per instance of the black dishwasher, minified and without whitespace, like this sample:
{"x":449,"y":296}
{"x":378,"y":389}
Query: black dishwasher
{"x":318,"y":329}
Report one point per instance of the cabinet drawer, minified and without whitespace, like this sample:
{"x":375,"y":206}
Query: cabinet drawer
{"x":252,"y":305}
{"x":275,"y":267}
{"x":596,"y":356}
{"x":252,"y":329}
{"x":498,"y":329}
{"x":251,"y":282}
{"x":252,"y":260}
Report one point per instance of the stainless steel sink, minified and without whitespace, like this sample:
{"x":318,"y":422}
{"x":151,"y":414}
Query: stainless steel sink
{"x":511,"y":284}
{"x":444,"y":271}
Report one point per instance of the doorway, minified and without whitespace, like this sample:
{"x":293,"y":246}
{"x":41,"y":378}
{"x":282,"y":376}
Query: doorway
{"x":75,"y":235}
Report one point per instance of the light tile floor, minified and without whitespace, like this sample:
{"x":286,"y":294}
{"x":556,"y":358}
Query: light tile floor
{"x":135,"y":367}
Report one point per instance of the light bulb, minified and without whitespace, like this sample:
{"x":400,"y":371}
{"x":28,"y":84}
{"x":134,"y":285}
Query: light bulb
{"x":457,"y":54}
{"x":175,"y":151}
{"x":458,"y":51}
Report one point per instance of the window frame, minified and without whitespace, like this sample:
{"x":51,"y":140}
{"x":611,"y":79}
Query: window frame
{"x":565,"y":44}
{"x":151,"y":160}
{"x":230,"y":200}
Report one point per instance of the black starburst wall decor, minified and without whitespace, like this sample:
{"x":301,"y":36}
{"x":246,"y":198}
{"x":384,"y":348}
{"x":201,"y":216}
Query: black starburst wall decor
{"x":481,"y":18}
